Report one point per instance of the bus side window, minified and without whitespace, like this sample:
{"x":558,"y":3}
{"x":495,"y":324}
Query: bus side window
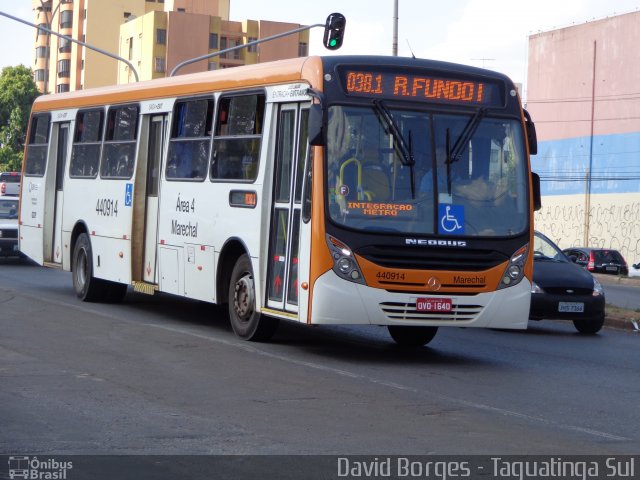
{"x":190,"y":141}
{"x":238,"y":138}
{"x":36,"y":159}
{"x":87,"y":141}
{"x":118,"y":155}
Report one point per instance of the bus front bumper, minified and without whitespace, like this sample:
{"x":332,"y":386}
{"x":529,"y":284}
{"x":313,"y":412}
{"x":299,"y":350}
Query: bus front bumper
{"x":336,"y":301}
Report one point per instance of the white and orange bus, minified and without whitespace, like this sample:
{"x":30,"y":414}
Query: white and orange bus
{"x":322,"y":190}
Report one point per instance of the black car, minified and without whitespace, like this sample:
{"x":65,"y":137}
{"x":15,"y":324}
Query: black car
{"x":598,"y":260}
{"x":562,"y":290}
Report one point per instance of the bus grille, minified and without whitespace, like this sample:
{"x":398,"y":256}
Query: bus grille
{"x":432,"y":259}
{"x":13,"y":233}
{"x":407,"y":311}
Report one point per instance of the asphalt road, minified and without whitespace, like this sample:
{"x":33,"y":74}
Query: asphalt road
{"x":157,"y":375}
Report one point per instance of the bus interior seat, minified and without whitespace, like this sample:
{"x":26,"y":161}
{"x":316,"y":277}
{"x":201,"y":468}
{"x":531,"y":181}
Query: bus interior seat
{"x":375,"y":182}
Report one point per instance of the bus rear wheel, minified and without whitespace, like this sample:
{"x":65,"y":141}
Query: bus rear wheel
{"x":410,"y":336}
{"x":246,"y":322}
{"x":87,"y":287}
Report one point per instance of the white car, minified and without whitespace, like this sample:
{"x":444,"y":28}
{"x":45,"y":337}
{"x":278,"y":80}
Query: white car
{"x":634,"y":270}
{"x":9,"y":226}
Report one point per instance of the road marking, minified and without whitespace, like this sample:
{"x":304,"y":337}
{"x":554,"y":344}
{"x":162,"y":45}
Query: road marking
{"x":397,"y":386}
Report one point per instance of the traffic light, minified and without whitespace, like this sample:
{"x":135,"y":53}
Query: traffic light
{"x":334,"y":31}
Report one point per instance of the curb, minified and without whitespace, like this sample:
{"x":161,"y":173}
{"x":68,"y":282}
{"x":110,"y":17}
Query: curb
{"x":619,"y":324}
{"x":617,"y":279}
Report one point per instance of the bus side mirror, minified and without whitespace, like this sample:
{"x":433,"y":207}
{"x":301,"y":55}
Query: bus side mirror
{"x":316,"y":134}
{"x":532,"y":138}
{"x":537,"y":198}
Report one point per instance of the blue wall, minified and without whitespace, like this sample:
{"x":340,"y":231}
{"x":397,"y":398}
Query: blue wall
{"x":562,"y":164}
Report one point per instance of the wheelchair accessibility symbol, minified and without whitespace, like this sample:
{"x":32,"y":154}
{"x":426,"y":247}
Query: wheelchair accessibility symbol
{"x":451,"y":219}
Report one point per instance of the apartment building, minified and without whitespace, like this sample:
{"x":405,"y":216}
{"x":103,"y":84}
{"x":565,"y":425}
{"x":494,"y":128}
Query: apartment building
{"x":153,"y":35}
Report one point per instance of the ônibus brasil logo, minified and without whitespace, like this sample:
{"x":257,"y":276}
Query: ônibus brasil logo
{"x":23,"y":467}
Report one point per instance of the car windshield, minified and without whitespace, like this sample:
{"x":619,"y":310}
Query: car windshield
{"x":545,"y":249}
{"x":8,"y":208}
{"x":392,"y":170}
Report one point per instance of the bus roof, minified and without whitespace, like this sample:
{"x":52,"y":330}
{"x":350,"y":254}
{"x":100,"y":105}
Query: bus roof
{"x":268,"y":73}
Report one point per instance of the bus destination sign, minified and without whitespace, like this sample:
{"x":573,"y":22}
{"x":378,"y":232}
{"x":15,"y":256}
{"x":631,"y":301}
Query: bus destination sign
{"x":392,"y":85}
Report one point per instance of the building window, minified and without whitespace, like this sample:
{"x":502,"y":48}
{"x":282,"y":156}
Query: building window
{"x":84,"y":14}
{"x":43,"y":32}
{"x":303,"y":49}
{"x":161,"y":36}
{"x":213,"y":41}
{"x":41,"y":75}
{"x":160,"y":65}
{"x":212,"y":66}
{"x":64,"y":46}
{"x":252,"y":48}
{"x":66,"y":19}
{"x":182,"y":10}
{"x":127,"y":15}
{"x":62,"y":87}
{"x":130,"y":42}
{"x":64,"y":68}
{"x":42,"y":52}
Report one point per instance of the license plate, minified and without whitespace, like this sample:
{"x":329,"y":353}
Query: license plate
{"x":434,"y":304}
{"x":611,"y":269}
{"x":572,"y":307}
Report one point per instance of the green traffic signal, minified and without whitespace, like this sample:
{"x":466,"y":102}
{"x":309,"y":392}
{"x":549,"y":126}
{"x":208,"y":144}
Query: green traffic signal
{"x":334,"y":31}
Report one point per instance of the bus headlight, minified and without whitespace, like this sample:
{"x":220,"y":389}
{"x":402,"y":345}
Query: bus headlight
{"x":515,"y":270}
{"x":344,"y":263}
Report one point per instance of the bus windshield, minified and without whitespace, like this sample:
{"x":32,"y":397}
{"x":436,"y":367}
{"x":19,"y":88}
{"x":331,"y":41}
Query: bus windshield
{"x":419,"y":172}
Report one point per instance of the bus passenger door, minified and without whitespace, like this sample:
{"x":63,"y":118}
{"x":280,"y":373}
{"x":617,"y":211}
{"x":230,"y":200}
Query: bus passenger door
{"x":287,"y":253}
{"x":61,"y":158}
{"x":157,"y":127}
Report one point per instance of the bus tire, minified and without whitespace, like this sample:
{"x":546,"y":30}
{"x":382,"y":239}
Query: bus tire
{"x":246,"y":322}
{"x":87,"y":287}
{"x":410,"y":336}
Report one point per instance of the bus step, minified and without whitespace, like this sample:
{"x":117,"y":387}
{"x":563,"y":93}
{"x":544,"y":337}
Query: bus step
{"x":142,"y":287}
{"x":52,"y":265}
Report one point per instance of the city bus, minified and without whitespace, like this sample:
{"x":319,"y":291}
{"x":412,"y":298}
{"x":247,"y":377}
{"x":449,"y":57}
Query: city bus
{"x":330,"y":190}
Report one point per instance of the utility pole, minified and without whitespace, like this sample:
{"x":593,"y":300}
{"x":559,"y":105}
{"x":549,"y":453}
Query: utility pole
{"x":394,"y":47}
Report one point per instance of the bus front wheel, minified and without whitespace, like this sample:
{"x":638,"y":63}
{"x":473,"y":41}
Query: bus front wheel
{"x":246,"y":322}
{"x":410,"y":336}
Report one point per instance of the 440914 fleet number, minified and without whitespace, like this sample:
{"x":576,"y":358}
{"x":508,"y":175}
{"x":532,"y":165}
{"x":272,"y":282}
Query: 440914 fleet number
{"x":107,"y":207}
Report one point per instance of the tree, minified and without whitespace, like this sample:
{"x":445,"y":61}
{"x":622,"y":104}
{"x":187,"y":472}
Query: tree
{"x":17,"y":93}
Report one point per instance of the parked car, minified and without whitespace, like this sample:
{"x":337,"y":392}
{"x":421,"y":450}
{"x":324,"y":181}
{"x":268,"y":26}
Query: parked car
{"x":9,"y":226}
{"x":10,"y":183}
{"x":634,"y":270}
{"x":563,"y":290}
{"x":598,"y":260}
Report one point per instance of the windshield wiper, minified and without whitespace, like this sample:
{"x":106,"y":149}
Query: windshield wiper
{"x":453,"y":154}
{"x":406,"y":149}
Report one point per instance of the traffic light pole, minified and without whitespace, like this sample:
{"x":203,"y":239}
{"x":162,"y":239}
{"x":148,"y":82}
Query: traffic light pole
{"x":238,"y":47}
{"x":99,"y":50}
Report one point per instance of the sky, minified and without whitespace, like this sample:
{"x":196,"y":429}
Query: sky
{"x":484,"y":33}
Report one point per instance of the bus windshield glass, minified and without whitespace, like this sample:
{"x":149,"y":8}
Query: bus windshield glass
{"x":420,"y":172}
